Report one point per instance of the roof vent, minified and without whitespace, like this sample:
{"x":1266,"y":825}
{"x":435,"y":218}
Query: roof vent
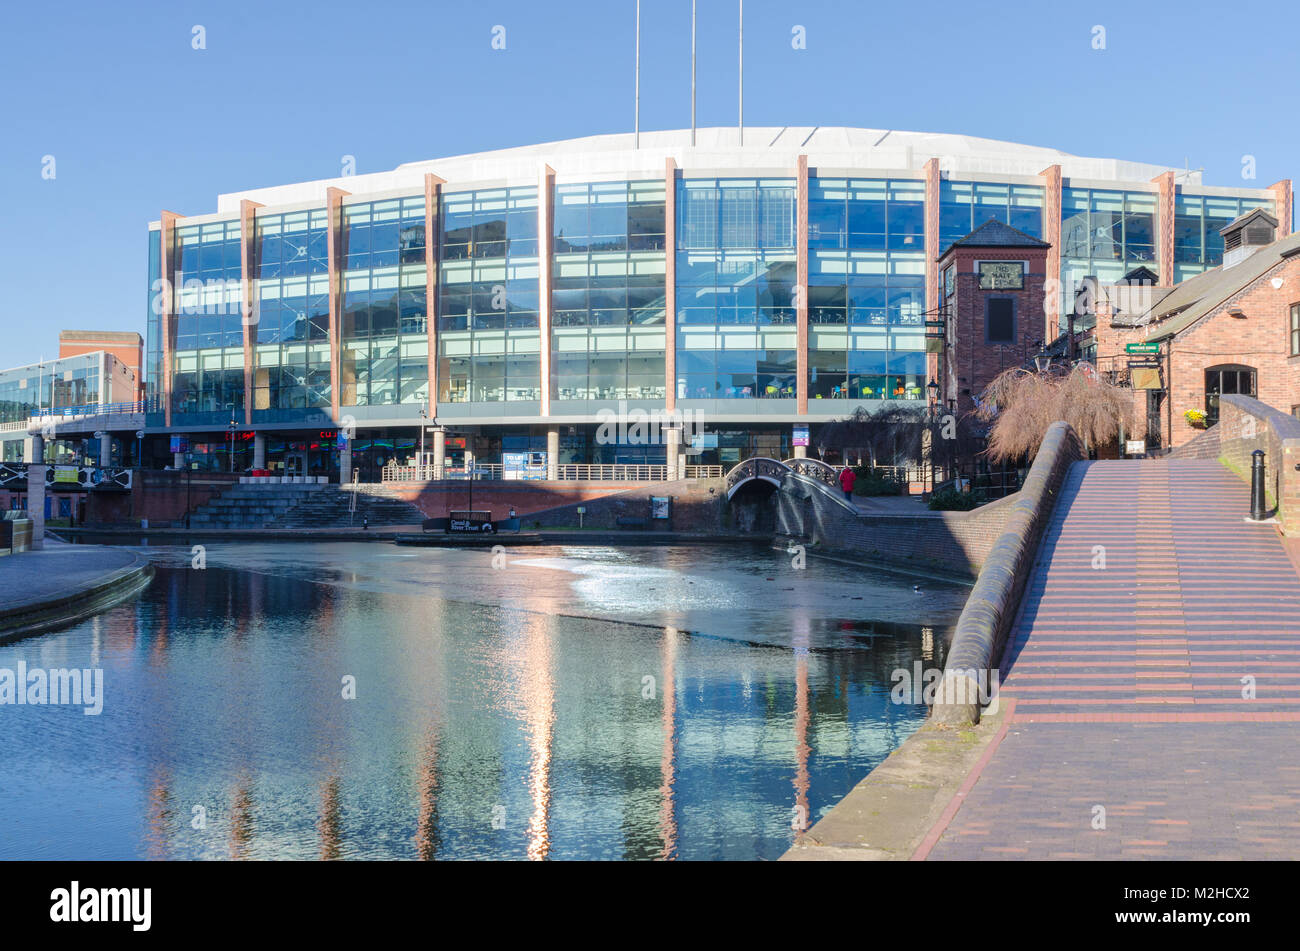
{"x":1245,"y":235}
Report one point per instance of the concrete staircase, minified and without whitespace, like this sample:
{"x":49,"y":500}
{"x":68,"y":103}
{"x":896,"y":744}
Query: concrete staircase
{"x":329,"y":508}
{"x":252,"y":506}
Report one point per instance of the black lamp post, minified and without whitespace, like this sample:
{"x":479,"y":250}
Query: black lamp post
{"x":932,"y":413}
{"x":232,"y":426}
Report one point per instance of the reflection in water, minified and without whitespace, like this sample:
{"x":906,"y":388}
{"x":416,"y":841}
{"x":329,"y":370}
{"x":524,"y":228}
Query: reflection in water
{"x":426,"y":827}
{"x":667,"y":816}
{"x":597,"y":728}
{"x":539,"y":702}
{"x":329,"y":824}
{"x":241,"y":818}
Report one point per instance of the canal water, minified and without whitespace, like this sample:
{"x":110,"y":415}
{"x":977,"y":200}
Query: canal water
{"x":558,"y":702}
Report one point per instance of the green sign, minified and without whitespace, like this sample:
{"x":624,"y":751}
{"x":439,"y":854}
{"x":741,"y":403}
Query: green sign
{"x":1142,"y":348}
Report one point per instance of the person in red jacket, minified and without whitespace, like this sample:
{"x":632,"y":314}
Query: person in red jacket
{"x":847,"y":478}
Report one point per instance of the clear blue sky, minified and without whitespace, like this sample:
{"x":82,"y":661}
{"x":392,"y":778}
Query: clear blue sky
{"x":138,"y":121}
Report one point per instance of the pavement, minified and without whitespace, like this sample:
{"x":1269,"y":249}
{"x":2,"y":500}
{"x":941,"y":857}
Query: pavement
{"x":62,"y":583}
{"x":1151,"y":689}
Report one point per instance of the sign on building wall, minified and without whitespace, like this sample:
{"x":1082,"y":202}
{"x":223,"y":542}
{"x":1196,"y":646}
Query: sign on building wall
{"x":1002,"y":275}
{"x":523,"y":465}
{"x":800,"y":436}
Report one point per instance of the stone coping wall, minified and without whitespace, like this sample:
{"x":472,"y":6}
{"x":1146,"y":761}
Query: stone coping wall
{"x":1246,"y":424}
{"x":955,"y":543}
{"x":991,"y":608}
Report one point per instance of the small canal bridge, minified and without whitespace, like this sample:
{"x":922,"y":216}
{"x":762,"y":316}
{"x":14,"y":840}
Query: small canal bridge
{"x":775,"y":472}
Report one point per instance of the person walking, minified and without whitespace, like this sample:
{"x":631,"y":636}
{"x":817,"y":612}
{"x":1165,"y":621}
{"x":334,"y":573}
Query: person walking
{"x":847,"y":478}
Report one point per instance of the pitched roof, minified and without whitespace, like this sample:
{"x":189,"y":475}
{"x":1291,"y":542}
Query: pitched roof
{"x":1203,"y":294}
{"x":995,"y":234}
{"x":1240,"y":220}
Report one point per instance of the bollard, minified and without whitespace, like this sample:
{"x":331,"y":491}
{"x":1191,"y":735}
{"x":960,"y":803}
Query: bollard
{"x":1257,"y":510}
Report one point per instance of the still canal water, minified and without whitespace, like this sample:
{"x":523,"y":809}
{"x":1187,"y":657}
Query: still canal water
{"x":570,"y":702}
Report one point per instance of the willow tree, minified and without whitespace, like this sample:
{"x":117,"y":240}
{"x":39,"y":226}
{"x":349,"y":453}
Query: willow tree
{"x":1021,"y":404}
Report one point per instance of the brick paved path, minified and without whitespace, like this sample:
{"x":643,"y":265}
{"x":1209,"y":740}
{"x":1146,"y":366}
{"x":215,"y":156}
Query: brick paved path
{"x":1125,"y":682}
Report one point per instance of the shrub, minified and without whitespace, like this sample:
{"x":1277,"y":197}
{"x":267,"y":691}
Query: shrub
{"x":871,"y":482}
{"x":950,"y":500}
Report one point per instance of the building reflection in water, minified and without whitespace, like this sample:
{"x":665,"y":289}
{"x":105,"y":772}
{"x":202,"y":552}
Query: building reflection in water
{"x":802,"y":781}
{"x":668,"y":762}
{"x":539,"y":717}
{"x":426,"y":825}
{"x":241,"y":818}
{"x":159,"y":815}
{"x":330,"y":825}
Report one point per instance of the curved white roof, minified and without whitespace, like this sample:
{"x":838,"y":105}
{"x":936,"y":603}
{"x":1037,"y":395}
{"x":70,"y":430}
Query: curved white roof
{"x":719,"y":149}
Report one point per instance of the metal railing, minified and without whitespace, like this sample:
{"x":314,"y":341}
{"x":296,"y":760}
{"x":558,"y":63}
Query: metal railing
{"x":569,"y":472}
{"x":93,"y":409}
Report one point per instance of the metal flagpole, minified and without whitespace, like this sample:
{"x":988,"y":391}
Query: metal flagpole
{"x":740,"y":112}
{"x":636,"y":135}
{"x":692,"y":72}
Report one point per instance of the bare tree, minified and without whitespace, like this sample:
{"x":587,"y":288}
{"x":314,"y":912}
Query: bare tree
{"x":1022,"y":403}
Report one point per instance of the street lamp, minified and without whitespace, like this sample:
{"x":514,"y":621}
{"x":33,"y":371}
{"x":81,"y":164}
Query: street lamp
{"x":1042,"y":362}
{"x":233,"y":424}
{"x":931,"y":416}
{"x":139,"y":448}
{"x":423,"y":424}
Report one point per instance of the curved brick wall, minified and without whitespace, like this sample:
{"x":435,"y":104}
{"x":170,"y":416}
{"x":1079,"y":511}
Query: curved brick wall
{"x":992,"y":606}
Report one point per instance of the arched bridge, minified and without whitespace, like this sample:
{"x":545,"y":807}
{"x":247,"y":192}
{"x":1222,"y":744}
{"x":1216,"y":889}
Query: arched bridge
{"x":774,"y":471}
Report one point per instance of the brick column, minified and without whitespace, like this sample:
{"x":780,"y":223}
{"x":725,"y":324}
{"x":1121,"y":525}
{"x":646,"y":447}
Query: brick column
{"x":1282,"y":206}
{"x":337,"y":261}
{"x":167,"y":316}
{"x":248,"y":296}
{"x":1051,"y":179}
{"x":801,"y":287}
{"x":933,"y":297}
{"x":670,"y":286}
{"x":432,"y":258}
{"x":545,"y":242}
{"x":1165,"y":228}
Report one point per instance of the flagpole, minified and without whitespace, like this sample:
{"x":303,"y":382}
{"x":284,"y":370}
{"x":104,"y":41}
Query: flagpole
{"x":741,"y":105}
{"x":692,"y":72}
{"x":636,"y":135}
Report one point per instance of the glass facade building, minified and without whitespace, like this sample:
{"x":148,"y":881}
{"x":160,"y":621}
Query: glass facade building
{"x":512,"y":294}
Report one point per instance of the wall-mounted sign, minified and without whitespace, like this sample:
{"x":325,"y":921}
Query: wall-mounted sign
{"x":1135,"y":447}
{"x":660,"y":505}
{"x":523,"y":465}
{"x":1002,"y":275}
{"x":180,"y":444}
{"x":470,"y":522}
{"x":800,"y":436}
{"x":1147,"y":348}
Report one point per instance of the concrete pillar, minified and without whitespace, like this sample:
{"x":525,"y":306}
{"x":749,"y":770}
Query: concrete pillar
{"x":439,"y":437}
{"x":801,"y":452}
{"x":552,"y":454}
{"x":105,"y":450}
{"x":178,"y":460}
{"x":673,"y":436}
{"x":259,"y":450}
{"x":36,"y":492}
{"x":345,"y":464}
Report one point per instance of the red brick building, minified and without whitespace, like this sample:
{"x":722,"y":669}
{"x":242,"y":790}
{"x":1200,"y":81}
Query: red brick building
{"x":993,"y":284}
{"x":1233,"y":329}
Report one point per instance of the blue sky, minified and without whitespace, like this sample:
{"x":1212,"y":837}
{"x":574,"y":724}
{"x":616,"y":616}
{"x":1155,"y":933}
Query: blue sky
{"x":137,"y":120}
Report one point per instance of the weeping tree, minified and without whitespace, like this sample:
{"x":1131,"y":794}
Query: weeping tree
{"x":1021,"y":404}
